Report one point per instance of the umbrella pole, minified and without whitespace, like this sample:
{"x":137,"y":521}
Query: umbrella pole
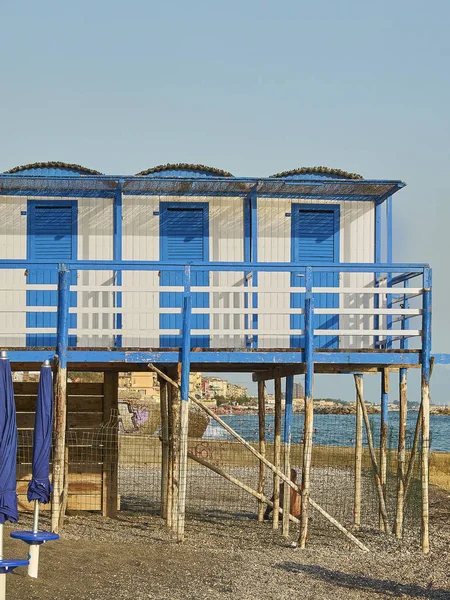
{"x":33,"y":550}
{"x":2,"y":575}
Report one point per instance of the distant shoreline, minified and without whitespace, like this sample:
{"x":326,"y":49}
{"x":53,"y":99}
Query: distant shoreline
{"x":338,"y":410}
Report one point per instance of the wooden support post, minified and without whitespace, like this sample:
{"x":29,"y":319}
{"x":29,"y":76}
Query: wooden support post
{"x":65,"y":494}
{"x":384,"y":435}
{"x":184,"y":407}
{"x":110,"y":487}
{"x":176,"y":432}
{"x":60,"y":425}
{"x":287,"y":451}
{"x":277,"y":453}
{"x":413,"y":453}
{"x":309,"y":406}
{"x":358,"y":458}
{"x":163,"y":394}
{"x":170,"y":400}
{"x":401,"y":456}
{"x":262,"y":445}
{"x":60,"y":397}
{"x":263,"y":459}
{"x":376,"y":468}
{"x":425,"y":393}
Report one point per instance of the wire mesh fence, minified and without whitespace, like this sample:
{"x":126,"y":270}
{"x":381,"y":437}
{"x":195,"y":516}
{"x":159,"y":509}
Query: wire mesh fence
{"x":130,"y":463}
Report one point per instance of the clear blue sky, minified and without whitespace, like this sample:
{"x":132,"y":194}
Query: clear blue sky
{"x":251,"y":87}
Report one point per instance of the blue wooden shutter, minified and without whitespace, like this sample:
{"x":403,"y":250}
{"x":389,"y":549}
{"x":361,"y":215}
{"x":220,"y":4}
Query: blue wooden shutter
{"x":51,"y":237}
{"x":315,"y":239}
{"x":51,"y":231}
{"x":184,"y":235}
{"x":184,"y":239}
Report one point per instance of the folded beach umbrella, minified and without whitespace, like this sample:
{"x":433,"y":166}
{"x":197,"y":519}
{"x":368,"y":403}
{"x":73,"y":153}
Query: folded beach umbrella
{"x":39,"y":488}
{"x":8,"y":446}
{"x":8,"y":457}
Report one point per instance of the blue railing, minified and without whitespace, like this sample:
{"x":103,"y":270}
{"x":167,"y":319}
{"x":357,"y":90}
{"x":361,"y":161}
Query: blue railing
{"x":257,"y":306}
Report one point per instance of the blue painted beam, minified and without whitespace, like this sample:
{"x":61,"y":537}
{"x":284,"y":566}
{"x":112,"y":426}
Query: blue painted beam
{"x":186,"y":339}
{"x":62,"y":335}
{"x":426,"y":327}
{"x":133,"y":265}
{"x":270,"y":358}
{"x":117,"y":256}
{"x":309,"y":334}
{"x":288,"y":410}
{"x":254,"y":256}
{"x":441,"y":359}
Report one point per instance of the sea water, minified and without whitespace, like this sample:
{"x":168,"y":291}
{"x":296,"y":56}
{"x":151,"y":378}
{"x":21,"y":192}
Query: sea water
{"x":334,"y":430}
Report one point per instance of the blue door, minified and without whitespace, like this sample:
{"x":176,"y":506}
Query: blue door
{"x":315,"y":239}
{"x":184,"y":239}
{"x":52,"y":236}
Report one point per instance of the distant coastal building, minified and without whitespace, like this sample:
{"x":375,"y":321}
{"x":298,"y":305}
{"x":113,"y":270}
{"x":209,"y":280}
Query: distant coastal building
{"x":298,"y":390}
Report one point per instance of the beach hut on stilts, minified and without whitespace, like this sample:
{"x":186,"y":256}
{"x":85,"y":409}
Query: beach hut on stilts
{"x":184,"y":268}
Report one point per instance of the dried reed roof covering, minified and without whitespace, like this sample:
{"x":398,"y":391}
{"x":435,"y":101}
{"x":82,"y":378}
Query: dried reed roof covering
{"x":184,"y":167}
{"x":318,"y":171}
{"x":53,"y":165}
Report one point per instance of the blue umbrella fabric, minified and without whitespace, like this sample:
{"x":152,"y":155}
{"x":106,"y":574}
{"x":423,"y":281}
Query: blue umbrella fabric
{"x":8,"y":446}
{"x":40,"y":487}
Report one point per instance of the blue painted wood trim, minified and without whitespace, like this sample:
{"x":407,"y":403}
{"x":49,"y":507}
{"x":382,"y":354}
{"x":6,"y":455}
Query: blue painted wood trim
{"x":247,"y":258}
{"x":62,"y":335}
{"x":384,"y":403}
{"x":404,"y":342}
{"x":389,"y":260}
{"x":309,"y":334}
{"x":117,"y":256}
{"x":172,"y":357}
{"x":186,"y":340}
{"x":426,"y":327}
{"x":377,"y":259}
{"x":288,"y":410}
{"x":145,"y":265}
{"x":254,"y":257}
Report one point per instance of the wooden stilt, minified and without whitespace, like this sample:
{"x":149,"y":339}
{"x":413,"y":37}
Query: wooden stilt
{"x":110,"y":489}
{"x":176,"y":431}
{"x":277,"y":453}
{"x":163,"y":393}
{"x":287,"y":451}
{"x":184,"y":423}
{"x":60,"y":396}
{"x":255,"y":452}
{"x":358,"y":458}
{"x":425,"y":463}
{"x":425,"y":393}
{"x":384,"y":436}
{"x":262,"y":445}
{"x":373,"y":457}
{"x":184,"y":399}
{"x":170,"y":400}
{"x":414,"y":451}
{"x":309,"y":407}
{"x":60,"y":425}
{"x":401,"y":456}
{"x":65,"y":494}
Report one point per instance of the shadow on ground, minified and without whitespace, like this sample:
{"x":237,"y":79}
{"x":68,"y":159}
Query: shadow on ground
{"x":367,"y":584}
